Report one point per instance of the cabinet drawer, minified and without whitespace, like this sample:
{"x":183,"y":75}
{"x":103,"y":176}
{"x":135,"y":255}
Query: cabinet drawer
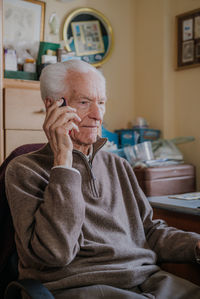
{"x":15,"y":138}
{"x":24,"y":109}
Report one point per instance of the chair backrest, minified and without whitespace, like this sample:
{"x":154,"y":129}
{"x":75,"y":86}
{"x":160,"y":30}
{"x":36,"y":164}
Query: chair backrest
{"x":7,"y":248}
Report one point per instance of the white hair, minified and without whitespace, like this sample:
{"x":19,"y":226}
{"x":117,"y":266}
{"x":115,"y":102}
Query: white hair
{"x":53,"y":82}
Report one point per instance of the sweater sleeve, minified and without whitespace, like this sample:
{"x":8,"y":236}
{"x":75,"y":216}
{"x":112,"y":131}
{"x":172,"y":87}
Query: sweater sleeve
{"x":169,"y":243}
{"x":47,"y":211}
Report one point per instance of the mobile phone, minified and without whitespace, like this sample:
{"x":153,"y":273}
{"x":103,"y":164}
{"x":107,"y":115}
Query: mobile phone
{"x":64,"y":102}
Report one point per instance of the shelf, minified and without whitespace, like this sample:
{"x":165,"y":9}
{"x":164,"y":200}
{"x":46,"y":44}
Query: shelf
{"x":19,"y":83}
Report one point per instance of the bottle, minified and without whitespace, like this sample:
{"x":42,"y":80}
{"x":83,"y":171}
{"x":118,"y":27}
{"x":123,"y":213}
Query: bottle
{"x":29,"y":65}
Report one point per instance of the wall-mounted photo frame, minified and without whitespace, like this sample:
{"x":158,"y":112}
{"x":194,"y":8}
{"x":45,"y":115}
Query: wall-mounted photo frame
{"x":188,"y":39}
{"x":89,"y":34}
{"x":24,"y":20}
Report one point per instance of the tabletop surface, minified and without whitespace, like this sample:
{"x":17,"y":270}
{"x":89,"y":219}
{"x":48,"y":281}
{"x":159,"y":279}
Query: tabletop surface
{"x":177,"y":205}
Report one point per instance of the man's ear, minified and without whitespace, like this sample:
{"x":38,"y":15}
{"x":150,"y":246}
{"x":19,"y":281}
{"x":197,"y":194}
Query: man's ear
{"x":48,"y":102}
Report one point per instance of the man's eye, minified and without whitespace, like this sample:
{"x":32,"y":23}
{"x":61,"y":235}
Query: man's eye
{"x":84,"y":102}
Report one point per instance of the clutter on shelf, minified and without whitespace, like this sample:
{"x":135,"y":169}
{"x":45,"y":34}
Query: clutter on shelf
{"x":26,"y":60}
{"x":140,"y":132}
{"x":10,"y":59}
{"x":143,"y":147}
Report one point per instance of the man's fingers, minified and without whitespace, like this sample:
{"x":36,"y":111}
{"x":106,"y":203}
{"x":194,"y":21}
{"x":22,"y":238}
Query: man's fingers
{"x":58,"y":116}
{"x":59,"y":122}
{"x":62,"y":121}
{"x":52,"y":105}
{"x":71,"y":126}
{"x":54,"y":112}
{"x":61,"y":127}
{"x":61,"y":136}
{"x":66,"y":117}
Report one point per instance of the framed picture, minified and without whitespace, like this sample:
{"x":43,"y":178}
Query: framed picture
{"x":188,"y":51}
{"x":88,"y":33}
{"x":87,"y":37}
{"x":23,"y":20}
{"x":188,"y":39}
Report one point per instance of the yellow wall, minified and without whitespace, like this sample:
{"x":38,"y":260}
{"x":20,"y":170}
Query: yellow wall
{"x":168,"y":99}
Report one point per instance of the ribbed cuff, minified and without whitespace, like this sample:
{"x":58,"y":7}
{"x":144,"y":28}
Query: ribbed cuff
{"x":66,"y":167}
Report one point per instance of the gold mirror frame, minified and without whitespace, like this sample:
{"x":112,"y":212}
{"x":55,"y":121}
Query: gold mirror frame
{"x":73,"y":40}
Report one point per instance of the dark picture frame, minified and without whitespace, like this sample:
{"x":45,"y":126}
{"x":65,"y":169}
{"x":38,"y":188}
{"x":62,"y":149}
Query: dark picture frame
{"x":188,"y":39}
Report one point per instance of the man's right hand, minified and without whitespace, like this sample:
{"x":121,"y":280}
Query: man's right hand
{"x":59,"y":121}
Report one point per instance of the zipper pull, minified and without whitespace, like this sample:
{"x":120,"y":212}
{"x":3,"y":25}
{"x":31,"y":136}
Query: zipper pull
{"x":92,"y":174}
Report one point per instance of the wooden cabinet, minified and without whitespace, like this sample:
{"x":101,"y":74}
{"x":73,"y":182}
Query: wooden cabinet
{"x":24,"y":114}
{"x":24,"y":109}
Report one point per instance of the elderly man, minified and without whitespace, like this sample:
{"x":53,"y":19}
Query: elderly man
{"x":83,"y":226}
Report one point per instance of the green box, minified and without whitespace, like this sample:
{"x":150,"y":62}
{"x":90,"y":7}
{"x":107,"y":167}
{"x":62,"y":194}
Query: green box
{"x":44,"y":46}
{"x":20,"y":75}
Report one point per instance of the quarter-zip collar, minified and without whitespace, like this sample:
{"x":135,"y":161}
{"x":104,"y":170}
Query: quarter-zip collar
{"x":95,"y":148}
{"x":88,"y":164}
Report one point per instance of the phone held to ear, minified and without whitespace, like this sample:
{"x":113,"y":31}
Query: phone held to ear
{"x":64,"y":102}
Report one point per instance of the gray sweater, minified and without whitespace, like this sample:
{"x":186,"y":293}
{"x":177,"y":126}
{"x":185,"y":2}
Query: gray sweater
{"x":89,"y":227}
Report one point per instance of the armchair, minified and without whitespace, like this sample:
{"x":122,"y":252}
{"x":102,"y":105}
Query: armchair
{"x":10,"y":287}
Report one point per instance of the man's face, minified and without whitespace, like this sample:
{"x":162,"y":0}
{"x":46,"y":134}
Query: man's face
{"x":88,"y":96}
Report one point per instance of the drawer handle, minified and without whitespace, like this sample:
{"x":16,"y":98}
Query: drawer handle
{"x":41,"y":111}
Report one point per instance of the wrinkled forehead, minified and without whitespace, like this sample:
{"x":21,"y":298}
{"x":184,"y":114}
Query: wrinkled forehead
{"x":88,"y":83}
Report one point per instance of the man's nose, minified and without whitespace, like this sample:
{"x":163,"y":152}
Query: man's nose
{"x":96,"y":112}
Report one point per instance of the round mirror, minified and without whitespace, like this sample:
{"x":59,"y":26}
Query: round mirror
{"x":88,"y":33}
